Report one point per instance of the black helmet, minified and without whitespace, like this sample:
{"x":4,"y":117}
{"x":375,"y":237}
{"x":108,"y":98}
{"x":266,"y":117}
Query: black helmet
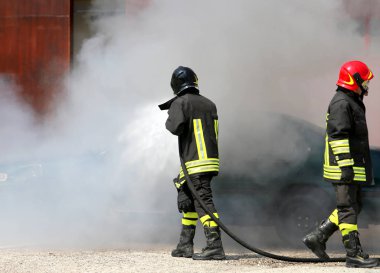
{"x":182,"y":79}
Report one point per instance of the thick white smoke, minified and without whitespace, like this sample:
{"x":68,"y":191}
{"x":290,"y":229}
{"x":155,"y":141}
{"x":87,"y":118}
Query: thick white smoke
{"x":105,"y":146}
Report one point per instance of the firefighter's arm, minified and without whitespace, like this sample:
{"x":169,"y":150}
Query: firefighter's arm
{"x":176,"y":120}
{"x":339,"y":127}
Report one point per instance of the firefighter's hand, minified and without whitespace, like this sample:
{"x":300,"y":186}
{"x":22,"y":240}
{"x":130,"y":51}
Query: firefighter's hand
{"x":176,"y":184}
{"x":185,"y":200}
{"x":347,"y":174}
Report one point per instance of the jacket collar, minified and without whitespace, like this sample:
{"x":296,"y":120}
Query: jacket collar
{"x":166,"y":105}
{"x":351,"y":94}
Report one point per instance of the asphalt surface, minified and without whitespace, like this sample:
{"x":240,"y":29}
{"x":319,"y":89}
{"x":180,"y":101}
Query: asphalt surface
{"x":152,"y":260}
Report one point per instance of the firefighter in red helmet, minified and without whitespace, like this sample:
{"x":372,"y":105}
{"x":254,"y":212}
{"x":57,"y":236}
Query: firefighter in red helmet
{"x":194,"y":119}
{"x":347,"y":164}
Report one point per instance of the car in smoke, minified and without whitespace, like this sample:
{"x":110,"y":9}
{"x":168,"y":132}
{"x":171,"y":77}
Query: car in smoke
{"x":278,"y":183}
{"x":36,"y":180}
{"x":289,"y":194}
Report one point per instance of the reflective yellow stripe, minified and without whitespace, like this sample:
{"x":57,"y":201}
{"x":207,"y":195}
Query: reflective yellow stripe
{"x":357,"y":170}
{"x":335,"y":173}
{"x":345,"y":162}
{"x":182,"y":181}
{"x":216,"y":127}
{"x":190,"y":215}
{"x":210,"y":168}
{"x":179,"y":184}
{"x":199,"y":138}
{"x":339,"y":143}
{"x":207,"y":222}
{"x":341,"y":146}
{"x":203,"y":165}
{"x":341,"y":150}
{"x":360,"y":178}
{"x":334,"y":217}
{"x":203,"y":140}
{"x":347,"y":228}
{"x":332,"y":176}
{"x":189,"y":218}
{"x":332,"y":169}
{"x":205,"y":218}
{"x":187,"y":222}
{"x":201,"y":162}
{"x":327,"y":159}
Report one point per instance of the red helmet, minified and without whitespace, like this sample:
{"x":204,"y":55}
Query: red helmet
{"x":352,"y":74}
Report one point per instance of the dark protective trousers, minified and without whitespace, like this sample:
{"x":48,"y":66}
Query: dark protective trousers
{"x":202,"y":184}
{"x":349,"y":202}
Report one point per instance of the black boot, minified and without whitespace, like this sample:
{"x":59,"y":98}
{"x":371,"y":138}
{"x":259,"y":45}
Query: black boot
{"x":355,"y":256}
{"x":185,"y":246}
{"x":214,"y":249}
{"x":316,"y":240}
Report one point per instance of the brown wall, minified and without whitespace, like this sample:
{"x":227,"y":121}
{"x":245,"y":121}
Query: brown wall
{"x":35,"y":46}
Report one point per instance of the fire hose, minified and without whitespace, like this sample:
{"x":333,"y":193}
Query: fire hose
{"x":243,"y":243}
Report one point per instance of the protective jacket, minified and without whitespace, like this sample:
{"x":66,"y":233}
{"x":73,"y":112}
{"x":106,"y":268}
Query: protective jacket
{"x":194,"y":119}
{"x":347,"y":138}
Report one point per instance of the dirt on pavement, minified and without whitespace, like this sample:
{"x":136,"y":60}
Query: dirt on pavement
{"x":157,"y":260}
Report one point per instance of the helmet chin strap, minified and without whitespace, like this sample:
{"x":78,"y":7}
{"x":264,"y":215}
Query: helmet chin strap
{"x":361,"y":96}
{"x":364,"y":92}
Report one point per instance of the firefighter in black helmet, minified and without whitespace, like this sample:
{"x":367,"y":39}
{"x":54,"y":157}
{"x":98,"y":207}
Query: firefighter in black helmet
{"x":347,"y":164}
{"x":193,"y":118}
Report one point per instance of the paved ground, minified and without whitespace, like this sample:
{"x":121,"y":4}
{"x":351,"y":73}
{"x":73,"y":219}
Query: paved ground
{"x":152,"y":261}
{"x":154,"y":257}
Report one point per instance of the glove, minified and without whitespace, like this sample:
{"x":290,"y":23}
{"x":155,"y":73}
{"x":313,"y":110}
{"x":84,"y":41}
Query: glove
{"x":184,"y":198}
{"x":347,"y":174}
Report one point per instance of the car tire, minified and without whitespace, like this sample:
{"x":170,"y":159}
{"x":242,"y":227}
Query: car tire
{"x":300,"y":212}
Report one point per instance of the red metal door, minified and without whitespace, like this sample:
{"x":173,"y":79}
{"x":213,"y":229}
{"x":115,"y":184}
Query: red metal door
{"x":35,"y":43}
